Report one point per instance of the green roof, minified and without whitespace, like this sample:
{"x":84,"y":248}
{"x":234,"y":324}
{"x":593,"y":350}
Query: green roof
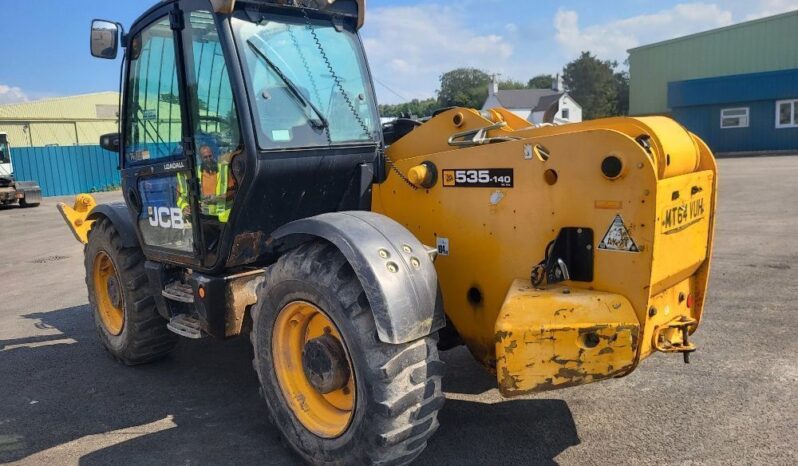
{"x":714,"y":31}
{"x":760,"y":45}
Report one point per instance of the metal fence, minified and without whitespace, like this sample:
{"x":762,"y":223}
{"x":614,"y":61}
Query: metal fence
{"x":65,"y":170}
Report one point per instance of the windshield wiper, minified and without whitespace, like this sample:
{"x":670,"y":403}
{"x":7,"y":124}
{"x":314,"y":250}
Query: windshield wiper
{"x":321,"y":123}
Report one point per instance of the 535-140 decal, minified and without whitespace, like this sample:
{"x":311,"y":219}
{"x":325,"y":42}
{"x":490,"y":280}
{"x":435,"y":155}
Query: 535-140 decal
{"x":478,"y":178}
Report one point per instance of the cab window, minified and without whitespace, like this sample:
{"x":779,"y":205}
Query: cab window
{"x":214,"y":118}
{"x":308,"y":82}
{"x":153,"y":120}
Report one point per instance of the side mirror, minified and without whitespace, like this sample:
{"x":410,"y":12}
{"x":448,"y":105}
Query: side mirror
{"x":110,"y":142}
{"x":104,"y":41}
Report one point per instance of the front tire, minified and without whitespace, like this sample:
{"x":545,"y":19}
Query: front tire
{"x":125,"y":315}
{"x":382,"y":409}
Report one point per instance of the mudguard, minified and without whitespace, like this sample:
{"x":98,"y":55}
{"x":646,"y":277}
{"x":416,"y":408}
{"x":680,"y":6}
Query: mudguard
{"x":395,"y":269}
{"x":119,"y":215}
{"x":31,"y":190}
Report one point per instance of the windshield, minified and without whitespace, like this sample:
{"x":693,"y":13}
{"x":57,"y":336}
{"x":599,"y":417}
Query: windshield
{"x":304,"y":94}
{"x":5,"y":157}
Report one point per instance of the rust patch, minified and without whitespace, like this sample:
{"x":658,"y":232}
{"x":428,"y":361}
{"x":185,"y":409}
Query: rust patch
{"x":247,"y":247}
{"x":241,"y":294}
{"x":501,"y":335}
{"x":568,"y":373}
{"x":606,"y":350}
{"x":508,"y":382}
{"x":509,"y":348}
{"x":556,"y":359}
{"x":563,"y":310}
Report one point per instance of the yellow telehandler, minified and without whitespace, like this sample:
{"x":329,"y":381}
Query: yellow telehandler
{"x":263,"y":197}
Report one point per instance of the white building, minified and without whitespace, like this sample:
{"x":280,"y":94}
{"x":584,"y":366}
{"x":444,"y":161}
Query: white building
{"x":536,"y":105}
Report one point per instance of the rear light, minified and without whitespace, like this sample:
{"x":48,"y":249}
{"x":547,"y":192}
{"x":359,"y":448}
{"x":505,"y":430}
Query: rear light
{"x":690,"y":300}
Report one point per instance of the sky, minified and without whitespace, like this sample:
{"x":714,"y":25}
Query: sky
{"x":410,"y":43}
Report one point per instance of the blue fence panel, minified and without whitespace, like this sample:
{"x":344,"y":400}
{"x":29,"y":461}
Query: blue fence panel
{"x":62,"y":171}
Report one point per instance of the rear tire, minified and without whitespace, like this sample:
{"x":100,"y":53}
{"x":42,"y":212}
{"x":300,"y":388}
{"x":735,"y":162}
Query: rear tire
{"x":124,"y":311}
{"x":397,"y":387}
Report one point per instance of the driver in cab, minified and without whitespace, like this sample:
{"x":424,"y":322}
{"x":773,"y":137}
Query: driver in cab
{"x":217,"y":187}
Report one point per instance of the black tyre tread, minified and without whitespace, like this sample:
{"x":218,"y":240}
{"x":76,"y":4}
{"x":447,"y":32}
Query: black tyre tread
{"x":416,"y":428}
{"x":148,"y":337}
{"x":406,"y":458}
{"x":417,"y":351}
{"x":405,"y":397}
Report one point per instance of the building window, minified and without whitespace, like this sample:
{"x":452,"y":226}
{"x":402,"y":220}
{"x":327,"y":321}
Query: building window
{"x":734,"y":117}
{"x":565,"y":114}
{"x":787,"y":113}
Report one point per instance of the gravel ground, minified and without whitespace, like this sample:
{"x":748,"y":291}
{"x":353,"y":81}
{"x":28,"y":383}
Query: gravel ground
{"x":63,"y":401}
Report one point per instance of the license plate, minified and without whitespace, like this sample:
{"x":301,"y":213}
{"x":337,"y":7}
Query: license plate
{"x":678,"y":217}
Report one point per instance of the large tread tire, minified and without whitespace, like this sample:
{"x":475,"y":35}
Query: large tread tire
{"x":398,"y":386}
{"x":144,"y":337}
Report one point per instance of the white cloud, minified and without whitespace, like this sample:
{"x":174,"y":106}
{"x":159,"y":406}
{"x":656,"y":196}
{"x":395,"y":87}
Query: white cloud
{"x":11,"y":94}
{"x":764,"y":8}
{"x":611,"y":40}
{"x":410,"y":47}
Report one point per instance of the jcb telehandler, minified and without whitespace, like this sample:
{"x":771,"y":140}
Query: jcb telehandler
{"x":263,"y":197}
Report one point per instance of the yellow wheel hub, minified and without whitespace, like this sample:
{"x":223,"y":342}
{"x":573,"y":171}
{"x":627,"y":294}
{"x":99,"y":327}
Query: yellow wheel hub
{"x":313,"y":369}
{"x":108,"y":294}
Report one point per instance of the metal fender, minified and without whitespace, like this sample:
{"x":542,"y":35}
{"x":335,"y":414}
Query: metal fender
{"x":119,"y":215}
{"x":395,"y":269}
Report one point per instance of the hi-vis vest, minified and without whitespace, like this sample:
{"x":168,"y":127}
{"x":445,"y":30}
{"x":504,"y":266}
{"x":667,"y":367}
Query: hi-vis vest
{"x":220,"y":208}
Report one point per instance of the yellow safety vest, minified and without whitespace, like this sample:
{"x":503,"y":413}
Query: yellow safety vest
{"x":220,"y":208}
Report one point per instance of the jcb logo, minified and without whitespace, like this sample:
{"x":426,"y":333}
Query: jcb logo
{"x":166,"y":217}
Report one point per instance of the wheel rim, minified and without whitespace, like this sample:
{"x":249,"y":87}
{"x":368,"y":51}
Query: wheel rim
{"x":108,"y":294}
{"x":299,"y":326}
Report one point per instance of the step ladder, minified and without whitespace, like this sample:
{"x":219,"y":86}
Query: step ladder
{"x":185,"y":326}
{"x":178,"y":291}
{"x":182,"y":324}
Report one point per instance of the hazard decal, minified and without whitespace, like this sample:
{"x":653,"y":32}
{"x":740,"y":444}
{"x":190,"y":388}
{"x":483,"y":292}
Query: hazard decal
{"x":618,"y":238}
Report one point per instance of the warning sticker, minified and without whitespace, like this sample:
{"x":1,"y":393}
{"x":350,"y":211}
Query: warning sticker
{"x":618,"y":238}
{"x":443,"y":246}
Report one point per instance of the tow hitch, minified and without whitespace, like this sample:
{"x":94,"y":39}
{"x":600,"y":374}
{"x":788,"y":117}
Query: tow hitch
{"x":666,"y":337}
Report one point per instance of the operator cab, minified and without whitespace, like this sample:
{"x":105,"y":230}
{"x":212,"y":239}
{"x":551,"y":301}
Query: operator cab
{"x":5,"y":157}
{"x":237,"y":118}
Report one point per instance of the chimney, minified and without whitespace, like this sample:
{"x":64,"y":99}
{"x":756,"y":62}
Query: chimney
{"x":493,"y":87}
{"x":556,"y":83}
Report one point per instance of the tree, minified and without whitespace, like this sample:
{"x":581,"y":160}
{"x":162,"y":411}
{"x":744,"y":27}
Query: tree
{"x":510,"y":84}
{"x":592,"y":83}
{"x":415,"y":108}
{"x":541,"y":81}
{"x":170,"y":98}
{"x":622,"y":89}
{"x":463,"y":87}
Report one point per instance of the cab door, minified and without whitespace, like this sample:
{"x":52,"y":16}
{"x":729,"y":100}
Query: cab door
{"x":158,"y":171}
{"x":213,"y":120}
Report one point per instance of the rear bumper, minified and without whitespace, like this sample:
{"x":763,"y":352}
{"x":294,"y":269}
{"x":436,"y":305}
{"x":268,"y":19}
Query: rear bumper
{"x":563,"y":336}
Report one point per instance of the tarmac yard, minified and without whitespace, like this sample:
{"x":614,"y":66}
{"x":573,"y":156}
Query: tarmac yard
{"x":64,"y":401}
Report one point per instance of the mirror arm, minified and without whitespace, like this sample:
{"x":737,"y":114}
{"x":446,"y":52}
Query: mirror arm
{"x":122,"y":35}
